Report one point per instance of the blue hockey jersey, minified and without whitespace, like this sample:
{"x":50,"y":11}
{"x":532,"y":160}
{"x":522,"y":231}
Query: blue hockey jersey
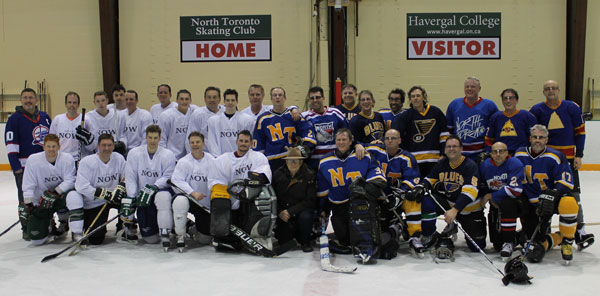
{"x":403,"y":165}
{"x":325,"y":126}
{"x":512,"y":130}
{"x":460,"y":182}
{"x":547,"y":170}
{"x":503,"y":181}
{"x":24,"y":136}
{"x":470,"y":123}
{"x":389,"y":117}
{"x":335,"y":175}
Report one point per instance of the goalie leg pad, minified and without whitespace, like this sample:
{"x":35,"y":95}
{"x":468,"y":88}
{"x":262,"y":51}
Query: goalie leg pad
{"x":365,"y":232}
{"x":164,"y":217}
{"x":38,"y":223}
{"x":181,"y":206}
{"x":260,"y":214}
{"x":567,"y":209}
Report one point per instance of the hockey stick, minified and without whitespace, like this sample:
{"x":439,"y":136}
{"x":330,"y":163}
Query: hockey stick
{"x":468,"y":236}
{"x":10,"y":227}
{"x":80,"y":147}
{"x":325,"y":255}
{"x":52,"y":256}
{"x":251,"y":244}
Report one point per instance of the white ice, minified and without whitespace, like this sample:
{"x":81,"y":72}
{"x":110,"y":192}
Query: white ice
{"x":118,"y":269}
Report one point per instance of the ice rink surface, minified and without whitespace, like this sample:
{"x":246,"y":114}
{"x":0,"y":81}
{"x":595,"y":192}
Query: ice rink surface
{"x":120,"y":269}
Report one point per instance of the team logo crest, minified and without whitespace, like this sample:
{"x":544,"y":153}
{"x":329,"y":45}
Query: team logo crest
{"x":324,"y":132}
{"x":424,"y":127}
{"x":470,"y":128}
{"x":555,"y":122}
{"x":38,"y":134}
{"x":508,"y":130}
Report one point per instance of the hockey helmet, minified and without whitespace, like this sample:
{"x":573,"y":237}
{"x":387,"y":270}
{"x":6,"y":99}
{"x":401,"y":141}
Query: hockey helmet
{"x":536,"y":252}
{"x":515,"y":271}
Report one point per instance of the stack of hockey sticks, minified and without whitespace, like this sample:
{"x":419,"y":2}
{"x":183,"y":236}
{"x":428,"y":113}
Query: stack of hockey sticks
{"x":325,"y":255}
{"x":249,"y":243}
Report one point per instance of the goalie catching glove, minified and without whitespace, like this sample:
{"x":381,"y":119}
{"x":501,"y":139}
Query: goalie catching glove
{"x":146,"y":195}
{"x":84,"y":136}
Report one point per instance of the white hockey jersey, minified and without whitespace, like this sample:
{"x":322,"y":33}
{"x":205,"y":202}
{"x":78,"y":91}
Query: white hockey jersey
{"x":109,"y":124}
{"x":223,"y":131}
{"x":64,"y":127}
{"x":175,"y":125}
{"x":40,"y":175}
{"x":228,"y":167}
{"x":94,"y":173}
{"x":248,"y":110}
{"x":192,"y":175}
{"x":135,"y":127}
{"x":141,"y":169}
{"x":157,"y":109}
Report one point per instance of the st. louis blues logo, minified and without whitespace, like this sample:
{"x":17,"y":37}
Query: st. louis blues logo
{"x":38,"y":134}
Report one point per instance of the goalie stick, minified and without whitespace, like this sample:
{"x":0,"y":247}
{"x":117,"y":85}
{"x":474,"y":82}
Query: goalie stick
{"x":52,"y":256}
{"x":325,"y":255}
{"x":249,"y":243}
{"x":469,"y":238}
{"x":9,"y":228}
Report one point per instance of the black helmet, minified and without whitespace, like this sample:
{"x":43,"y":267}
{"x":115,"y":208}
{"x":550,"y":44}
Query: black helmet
{"x":536,"y":252}
{"x":515,"y":271}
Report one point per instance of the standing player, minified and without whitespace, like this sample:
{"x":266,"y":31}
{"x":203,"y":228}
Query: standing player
{"x":224,"y":127}
{"x":368,"y":126}
{"x":548,"y":187}
{"x":454,"y":180}
{"x":65,"y":125}
{"x":468,"y":118}
{"x":199,"y":120}
{"x":98,"y":183}
{"x":400,"y":167}
{"x":191,"y":175}
{"x":118,"y":98}
{"x":423,"y":130}
{"x":49,"y":175}
{"x":336,"y":171}
{"x":501,"y":177}
{"x":567,"y":134}
{"x":163,"y":92}
{"x":349,"y":106}
{"x":256,"y":94}
{"x":510,"y":127}
{"x":136,"y":121}
{"x":104,"y":121}
{"x":24,"y":135}
{"x":230,"y":166}
{"x":146,"y":173}
{"x":174,"y":124}
{"x":396,"y":101}
{"x":326,"y":121}
{"x":276,"y":129}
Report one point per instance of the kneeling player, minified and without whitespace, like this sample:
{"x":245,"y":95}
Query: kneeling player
{"x":97,"y":184}
{"x":237,"y":208}
{"x":501,"y":177}
{"x":191,"y":176}
{"x":548,"y":187}
{"x":454,"y":181}
{"x":148,"y":169}
{"x":336,"y":172}
{"x":48,"y":176}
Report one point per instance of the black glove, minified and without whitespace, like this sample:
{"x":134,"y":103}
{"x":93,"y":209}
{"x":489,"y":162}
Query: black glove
{"x":113,"y":197}
{"x":305,"y":151}
{"x":257,"y":179}
{"x":394,"y":201}
{"x":481,"y":157}
{"x":357,"y":187}
{"x":120,"y":148}
{"x":545,"y":208}
{"x":83,"y":135}
{"x":439,"y":190}
{"x":416,"y":194}
{"x":25,"y":212}
{"x":48,"y":199}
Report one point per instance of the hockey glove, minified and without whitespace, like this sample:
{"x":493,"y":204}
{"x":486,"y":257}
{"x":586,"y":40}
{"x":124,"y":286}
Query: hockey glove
{"x":257,"y":179}
{"x":127,"y":207}
{"x":394,"y":200}
{"x":416,"y":194}
{"x":439,"y":190}
{"x":146,"y":195}
{"x":545,"y":207}
{"x":237,"y":188}
{"x":83,"y":135}
{"x":48,"y":199}
{"x":481,"y":157}
{"x":304,"y":151}
{"x":120,"y":148}
{"x":25,"y":212}
{"x":357,"y":187}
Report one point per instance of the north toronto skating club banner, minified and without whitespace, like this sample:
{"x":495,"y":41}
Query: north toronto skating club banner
{"x":453,"y":35}
{"x":225,"y":38}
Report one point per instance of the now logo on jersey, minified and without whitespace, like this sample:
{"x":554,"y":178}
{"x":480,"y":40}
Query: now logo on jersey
{"x":106,"y":131}
{"x":131,"y":129}
{"x":107,"y":179}
{"x":242,"y":170}
{"x":148,"y":173}
{"x":198,"y":178}
{"x":66,"y":135}
{"x":181,"y":130}
{"x":52,"y":179}
{"x":226,"y":134}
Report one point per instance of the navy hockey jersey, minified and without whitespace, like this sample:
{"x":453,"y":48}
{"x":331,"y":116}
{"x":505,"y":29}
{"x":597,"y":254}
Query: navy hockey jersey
{"x":512,"y":130}
{"x":325,"y":126}
{"x":460,"y":182}
{"x":389,"y":117}
{"x":24,"y":136}
{"x":367,"y":129}
{"x":349,"y":113}
{"x":547,"y":170}
{"x":503,"y":181}
{"x":400,"y":166}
